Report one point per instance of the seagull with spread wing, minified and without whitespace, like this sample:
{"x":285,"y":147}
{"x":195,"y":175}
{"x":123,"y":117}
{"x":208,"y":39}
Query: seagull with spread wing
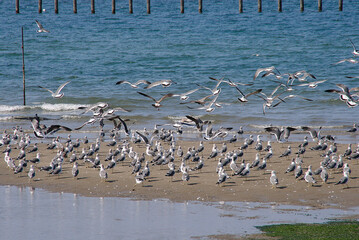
{"x":57,"y":94}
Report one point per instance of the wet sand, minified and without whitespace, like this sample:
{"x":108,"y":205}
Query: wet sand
{"x":202,"y":184}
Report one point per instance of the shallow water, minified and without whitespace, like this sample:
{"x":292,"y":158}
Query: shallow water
{"x":95,"y":51}
{"x":37,"y":214}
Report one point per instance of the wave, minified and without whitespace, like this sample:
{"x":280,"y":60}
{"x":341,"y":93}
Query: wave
{"x":58,"y":107}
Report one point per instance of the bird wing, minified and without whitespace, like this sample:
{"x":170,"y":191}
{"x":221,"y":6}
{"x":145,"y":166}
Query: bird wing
{"x":47,"y":89}
{"x":142,"y":82}
{"x":154,"y":84}
{"x":122,"y":81}
{"x":165,"y":96}
{"x":62,"y":86}
{"x":55,"y":128}
{"x":144,"y":94}
{"x":254,"y":92}
{"x":352,"y":44}
{"x":144,"y":138}
{"x":39,"y":25}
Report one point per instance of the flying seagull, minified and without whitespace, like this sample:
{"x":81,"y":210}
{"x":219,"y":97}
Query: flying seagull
{"x":41,"y":28}
{"x":157,"y":103}
{"x":164,"y":83}
{"x":134,"y":85}
{"x":57,"y":94}
{"x":40,"y":130}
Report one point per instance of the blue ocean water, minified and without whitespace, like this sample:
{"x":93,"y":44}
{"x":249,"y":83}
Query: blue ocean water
{"x":94,"y":51}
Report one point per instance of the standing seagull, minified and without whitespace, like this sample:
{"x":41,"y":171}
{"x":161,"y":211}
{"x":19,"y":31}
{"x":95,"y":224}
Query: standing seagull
{"x":103,"y":173}
{"x":75,"y":170}
{"x":344,"y":179}
{"x":273,"y":179}
{"x":57,"y":94}
{"x":41,"y":28}
{"x":31,"y":173}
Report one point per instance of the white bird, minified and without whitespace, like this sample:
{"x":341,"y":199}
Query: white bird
{"x":31,"y":173}
{"x":41,"y":28}
{"x":273,"y":179}
{"x":134,"y":85}
{"x":355,"y":51}
{"x":57,"y":94}
{"x":103,"y":173}
{"x":164,"y":83}
{"x":267,"y":69}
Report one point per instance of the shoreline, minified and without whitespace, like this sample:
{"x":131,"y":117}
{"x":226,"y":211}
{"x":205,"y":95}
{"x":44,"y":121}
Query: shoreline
{"x":202,"y":184}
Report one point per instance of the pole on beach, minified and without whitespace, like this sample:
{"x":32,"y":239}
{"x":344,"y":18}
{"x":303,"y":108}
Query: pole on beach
{"x":301,"y":5}
{"x":148,"y":6}
{"x":56,"y":6}
{"x":340,"y":5}
{"x":240,"y":6}
{"x":279,"y":5}
{"x":259,"y":6}
{"x":40,"y":6}
{"x":320,"y":5}
{"x":23,"y":64}
{"x":92,"y":6}
{"x":75,"y":6}
{"x":182,"y":6}
{"x":17,"y":6}
{"x":200,"y":6}
{"x":113,"y":6}
{"x":130,"y":6}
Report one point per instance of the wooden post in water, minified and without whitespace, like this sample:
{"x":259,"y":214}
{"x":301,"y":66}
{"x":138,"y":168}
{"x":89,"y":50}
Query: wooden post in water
{"x":182,"y":6}
{"x":200,"y":6}
{"x":148,"y":6}
{"x":240,"y":6}
{"x":23,"y":64}
{"x":259,"y":6}
{"x":75,"y":6}
{"x":113,"y":6}
{"x":17,"y":6}
{"x":319,"y":5}
{"x":92,"y":6}
{"x":279,"y":5}
{"x":301,"y":5}
{"x":130,"y":6}
{"x":40,"y":6}
{"x":340,"y":5}
{"x":56,"y":6}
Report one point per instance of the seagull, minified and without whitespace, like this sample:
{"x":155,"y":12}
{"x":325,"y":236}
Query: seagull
{"x":75,"y":170}
{"x":291,"y":167}
{"x":344,"y":179}
{"x":31,"y":173}
{"x":286,"y":152}
{"x":230,"y":83}
{"x":244,"y":97}
{"x":273,"y":179}
{"x":134,"y":85}
{"x":222,"y":176}
{"x":267,"y":69}
{"x":164,"y":83}
{"x":103,"y":173}
{"x":184,"y":96}
{"x":312,"y":84}
{"x":313,"y":133}
{"x":345,"y":94}
{"x":355,"y":51}
{"x":157,"y":103}
{"x":57,"y":94}
{"x":354,"y":128}
{"x":40,"y":130}
{"x":278,"y":133}
{"x":41,"y":28}
{"x":308,"y":177}
{"x":350,"y":60}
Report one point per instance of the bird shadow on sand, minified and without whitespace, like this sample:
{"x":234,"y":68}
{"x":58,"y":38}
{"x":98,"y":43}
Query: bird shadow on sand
{"x":282,"y":187}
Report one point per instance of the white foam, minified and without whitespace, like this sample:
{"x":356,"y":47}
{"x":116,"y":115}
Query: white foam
{"x":61,"y":107}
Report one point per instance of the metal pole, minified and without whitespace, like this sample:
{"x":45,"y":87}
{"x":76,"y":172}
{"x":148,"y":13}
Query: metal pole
{"x":301,"y":5}
{"x":148,"y":7}
{"x":279,"y":5}
{"x":240,"y":6}
{"x":200,"y":6}
{"x":92,"y":6}
{"x":75,"y":6}
{"x":113,"y":6}
{"x":259,"y":6}
{"x":340,"y":5}
{"x":182,"y":6}
{"x":40,"y":6}
{"x":23,"y":64}
{"x":130,"y":6}
{"x":17,"y":6}
{"x":320,"y":5}
{"x":56,"y":6}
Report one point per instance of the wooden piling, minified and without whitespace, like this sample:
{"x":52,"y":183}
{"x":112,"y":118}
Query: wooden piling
{"x":182,"y":6}
{"x":279,"y":5}
{"x":92,"y":6}
{"x":320,"y":5}
{"x":17,"y":6}
{"x":340,"y":5}
{"x":200,"y":6}
{"x":23,"y":64}
{"x":75,"y":6}
{"x":259,"y":6}
{"x":130,"y":6}
{"x":56,"y":6}
{"x":40,"y":6}
{"x":240,"y":6}
{"x":113,"y":6}
{"x":148,"y":6}
{"x":301,"y":5}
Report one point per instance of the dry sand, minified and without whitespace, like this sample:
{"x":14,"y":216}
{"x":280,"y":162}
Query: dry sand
{"x":202,"y":185}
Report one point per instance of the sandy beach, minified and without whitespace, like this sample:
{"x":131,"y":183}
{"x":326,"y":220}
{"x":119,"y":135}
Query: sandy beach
{"x":202,"y":184}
